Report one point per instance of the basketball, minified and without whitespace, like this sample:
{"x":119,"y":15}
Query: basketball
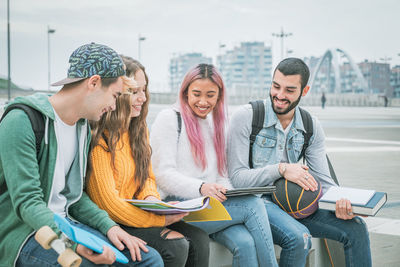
{"x":296,"y":201}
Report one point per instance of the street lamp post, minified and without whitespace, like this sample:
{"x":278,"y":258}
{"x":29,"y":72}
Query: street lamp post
{"x":49,"y":31}
{"x":385,"y":59}
{"x":219,"y":56}
{"x":282,"y":35}
{"x":140,"y":39}
{"x":220,"y":47}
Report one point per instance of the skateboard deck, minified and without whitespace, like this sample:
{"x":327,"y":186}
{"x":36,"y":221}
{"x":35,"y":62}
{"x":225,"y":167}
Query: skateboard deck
{"x":86,"y":239}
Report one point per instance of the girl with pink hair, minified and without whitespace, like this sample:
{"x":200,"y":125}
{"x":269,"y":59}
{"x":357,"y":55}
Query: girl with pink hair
{"x":189,"y":161}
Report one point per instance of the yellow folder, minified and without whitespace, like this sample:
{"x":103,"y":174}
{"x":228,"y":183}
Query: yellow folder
{"x":215,"y":211}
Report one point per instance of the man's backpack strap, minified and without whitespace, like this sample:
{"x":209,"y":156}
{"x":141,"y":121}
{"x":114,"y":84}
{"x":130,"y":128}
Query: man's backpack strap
{"x":308,"y":126}
{"x":37,"y":123}
{"x":256,"y":125}
{"x":332,"y":171}
{"x":36,"y":119}
{"x":179,"y":119}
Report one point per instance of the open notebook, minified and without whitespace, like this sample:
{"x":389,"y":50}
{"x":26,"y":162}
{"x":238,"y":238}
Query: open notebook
{"x":200,"y":209}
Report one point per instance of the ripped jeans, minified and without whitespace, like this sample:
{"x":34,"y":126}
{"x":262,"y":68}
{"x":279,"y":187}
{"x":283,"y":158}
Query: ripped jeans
{"x":190,"y":250}
{"x":294,"y":236}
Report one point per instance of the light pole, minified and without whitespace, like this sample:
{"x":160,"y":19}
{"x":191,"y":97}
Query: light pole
{"x":282,"y":35}
{"x":140,"y":39}
{"x":385,"y":59}
{"x":49,"y":31}
{"x":219,"y":56}
{"x":8,"y":51}
{"x":220,"y":47}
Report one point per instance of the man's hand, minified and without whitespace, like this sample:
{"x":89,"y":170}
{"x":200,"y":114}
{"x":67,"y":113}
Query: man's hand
{"x":170,"y":219}
{"x":119,"y":237}
{"x":107,"y":257}
{"x":344,"y":210}
{"x":298,"y":173}
{"x":214,"y":190}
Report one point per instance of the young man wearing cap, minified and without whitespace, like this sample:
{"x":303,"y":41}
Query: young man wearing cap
{"x":36,"y":186}
{"x":275,"y":154}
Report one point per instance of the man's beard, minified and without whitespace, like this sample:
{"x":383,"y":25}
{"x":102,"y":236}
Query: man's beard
{"x":289,"y":108}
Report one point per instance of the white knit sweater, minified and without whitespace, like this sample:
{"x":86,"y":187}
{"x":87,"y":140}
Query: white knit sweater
{"x":174,"y":167}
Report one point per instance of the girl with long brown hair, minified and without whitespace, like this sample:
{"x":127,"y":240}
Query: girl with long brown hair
{"x":121,"y":169}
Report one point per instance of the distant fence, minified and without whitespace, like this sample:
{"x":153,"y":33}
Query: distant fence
{"x":352,"y":100}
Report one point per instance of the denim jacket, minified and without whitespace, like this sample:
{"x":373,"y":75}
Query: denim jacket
{"x":269,"y":147}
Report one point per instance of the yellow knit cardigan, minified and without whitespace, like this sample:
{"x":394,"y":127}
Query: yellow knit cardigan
{"x":108,"y":187}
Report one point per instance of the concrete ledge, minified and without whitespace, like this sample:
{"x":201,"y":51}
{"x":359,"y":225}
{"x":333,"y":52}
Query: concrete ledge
{"x":384,"y":237}
{"x":222,"y":257}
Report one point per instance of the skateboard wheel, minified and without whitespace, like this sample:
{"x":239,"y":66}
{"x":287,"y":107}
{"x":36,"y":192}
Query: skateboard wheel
{"x":69,"y":259}
{"x":44,"y":236}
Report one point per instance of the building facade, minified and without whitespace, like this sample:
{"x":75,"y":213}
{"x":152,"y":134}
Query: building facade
{"x":377,"y":76}
{"x":395,"y":80}
{"x":246,"y":69}
{"x":179,"y":66}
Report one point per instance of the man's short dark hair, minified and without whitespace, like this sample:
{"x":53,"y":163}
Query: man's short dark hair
{"x":293,"y":66}
{"x":105,"y":82}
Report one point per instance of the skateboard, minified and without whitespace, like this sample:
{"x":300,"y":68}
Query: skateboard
{"x":47,"y":238}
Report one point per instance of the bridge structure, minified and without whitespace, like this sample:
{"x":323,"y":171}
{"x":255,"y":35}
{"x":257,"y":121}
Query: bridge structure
{"x":337,"y":75}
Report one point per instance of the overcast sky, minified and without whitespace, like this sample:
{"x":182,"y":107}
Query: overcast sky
{"x":365,"y":29}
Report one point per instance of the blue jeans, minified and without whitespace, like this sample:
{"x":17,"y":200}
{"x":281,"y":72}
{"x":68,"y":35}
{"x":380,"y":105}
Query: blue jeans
{"x":32,"y":254}
{"x":247,"y":235}
{"x":294,"y":236}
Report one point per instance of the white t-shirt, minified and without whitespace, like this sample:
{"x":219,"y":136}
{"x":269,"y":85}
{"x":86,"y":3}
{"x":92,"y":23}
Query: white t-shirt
{"x":67,"y":147}
{"x":285,"y":158}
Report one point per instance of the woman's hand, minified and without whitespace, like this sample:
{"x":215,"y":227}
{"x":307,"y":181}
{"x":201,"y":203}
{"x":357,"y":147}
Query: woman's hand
{"x":151,"y":198}
{"x":213,"y":190}
{"x":170,"y":219}
{"x":119,"y":237}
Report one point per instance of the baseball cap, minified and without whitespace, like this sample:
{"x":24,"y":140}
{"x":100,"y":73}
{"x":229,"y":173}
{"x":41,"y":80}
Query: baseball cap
{"x":93,"y":59}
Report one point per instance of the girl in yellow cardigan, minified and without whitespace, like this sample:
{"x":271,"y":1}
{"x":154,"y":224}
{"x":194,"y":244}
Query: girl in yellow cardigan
{"x":121,"y":169}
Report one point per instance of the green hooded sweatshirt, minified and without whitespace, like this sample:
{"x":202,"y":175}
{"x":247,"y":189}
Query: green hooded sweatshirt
{"x":23,"y":206}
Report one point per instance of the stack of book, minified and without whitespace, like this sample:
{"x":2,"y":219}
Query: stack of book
{"x":363,"y":202}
